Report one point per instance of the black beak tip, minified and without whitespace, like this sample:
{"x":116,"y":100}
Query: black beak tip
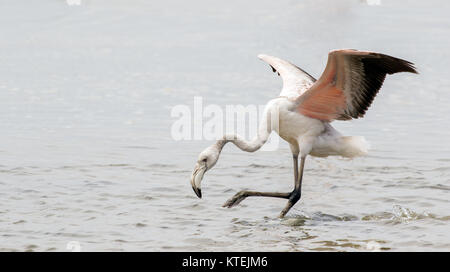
{"x":198,"y":192}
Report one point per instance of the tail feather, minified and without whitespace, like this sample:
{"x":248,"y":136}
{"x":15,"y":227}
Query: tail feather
{"x":336,"y":145}
{"x":353,"y":146}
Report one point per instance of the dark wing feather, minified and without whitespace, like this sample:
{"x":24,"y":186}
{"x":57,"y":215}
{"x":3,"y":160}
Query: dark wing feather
{"x":365,"y":84}
{"x":349,"y":84}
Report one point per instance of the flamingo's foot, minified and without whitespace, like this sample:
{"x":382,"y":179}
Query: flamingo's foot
{"x":293,"y":198}
{"x":236,"y":199}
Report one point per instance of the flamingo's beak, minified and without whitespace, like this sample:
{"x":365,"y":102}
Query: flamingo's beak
{"x":196,"y":178}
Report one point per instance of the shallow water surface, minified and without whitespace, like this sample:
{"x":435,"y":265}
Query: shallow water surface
{"x":87,"y":156}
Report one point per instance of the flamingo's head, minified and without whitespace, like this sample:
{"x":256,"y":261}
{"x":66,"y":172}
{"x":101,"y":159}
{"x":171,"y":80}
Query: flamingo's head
{"x":206,"y":160}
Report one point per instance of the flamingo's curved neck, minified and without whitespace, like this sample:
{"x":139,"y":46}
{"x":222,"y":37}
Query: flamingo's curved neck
{"x":246,"y":145}
{"x":249,"y":146}
{"x":264,"y":130}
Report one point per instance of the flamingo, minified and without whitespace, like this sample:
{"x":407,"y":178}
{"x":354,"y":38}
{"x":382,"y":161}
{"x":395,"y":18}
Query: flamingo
{"x":305,"y":109}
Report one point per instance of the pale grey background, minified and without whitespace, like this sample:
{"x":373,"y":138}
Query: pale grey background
{"x":85,"y":147}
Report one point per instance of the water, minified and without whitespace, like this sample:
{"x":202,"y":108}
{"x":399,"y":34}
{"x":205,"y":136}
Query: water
{"x":87,"y":157}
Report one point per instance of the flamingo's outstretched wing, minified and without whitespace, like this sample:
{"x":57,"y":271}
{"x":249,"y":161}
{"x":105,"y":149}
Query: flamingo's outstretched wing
{"x":349,"y":84}
{"x":295,"y":80}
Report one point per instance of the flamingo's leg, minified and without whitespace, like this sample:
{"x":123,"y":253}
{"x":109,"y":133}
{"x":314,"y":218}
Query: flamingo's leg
{"x":297,"y":193}
{"x":238,"y":197}
{"x":295,"y":159}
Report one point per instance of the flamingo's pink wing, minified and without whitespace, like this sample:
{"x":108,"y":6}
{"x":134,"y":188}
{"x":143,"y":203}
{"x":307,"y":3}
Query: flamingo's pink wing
{"x":348,"y":85}
{"x":295,"y":80}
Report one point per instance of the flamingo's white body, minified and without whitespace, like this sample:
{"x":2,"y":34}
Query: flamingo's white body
{"x":317,"y":138}
{"x":304,"y":110}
